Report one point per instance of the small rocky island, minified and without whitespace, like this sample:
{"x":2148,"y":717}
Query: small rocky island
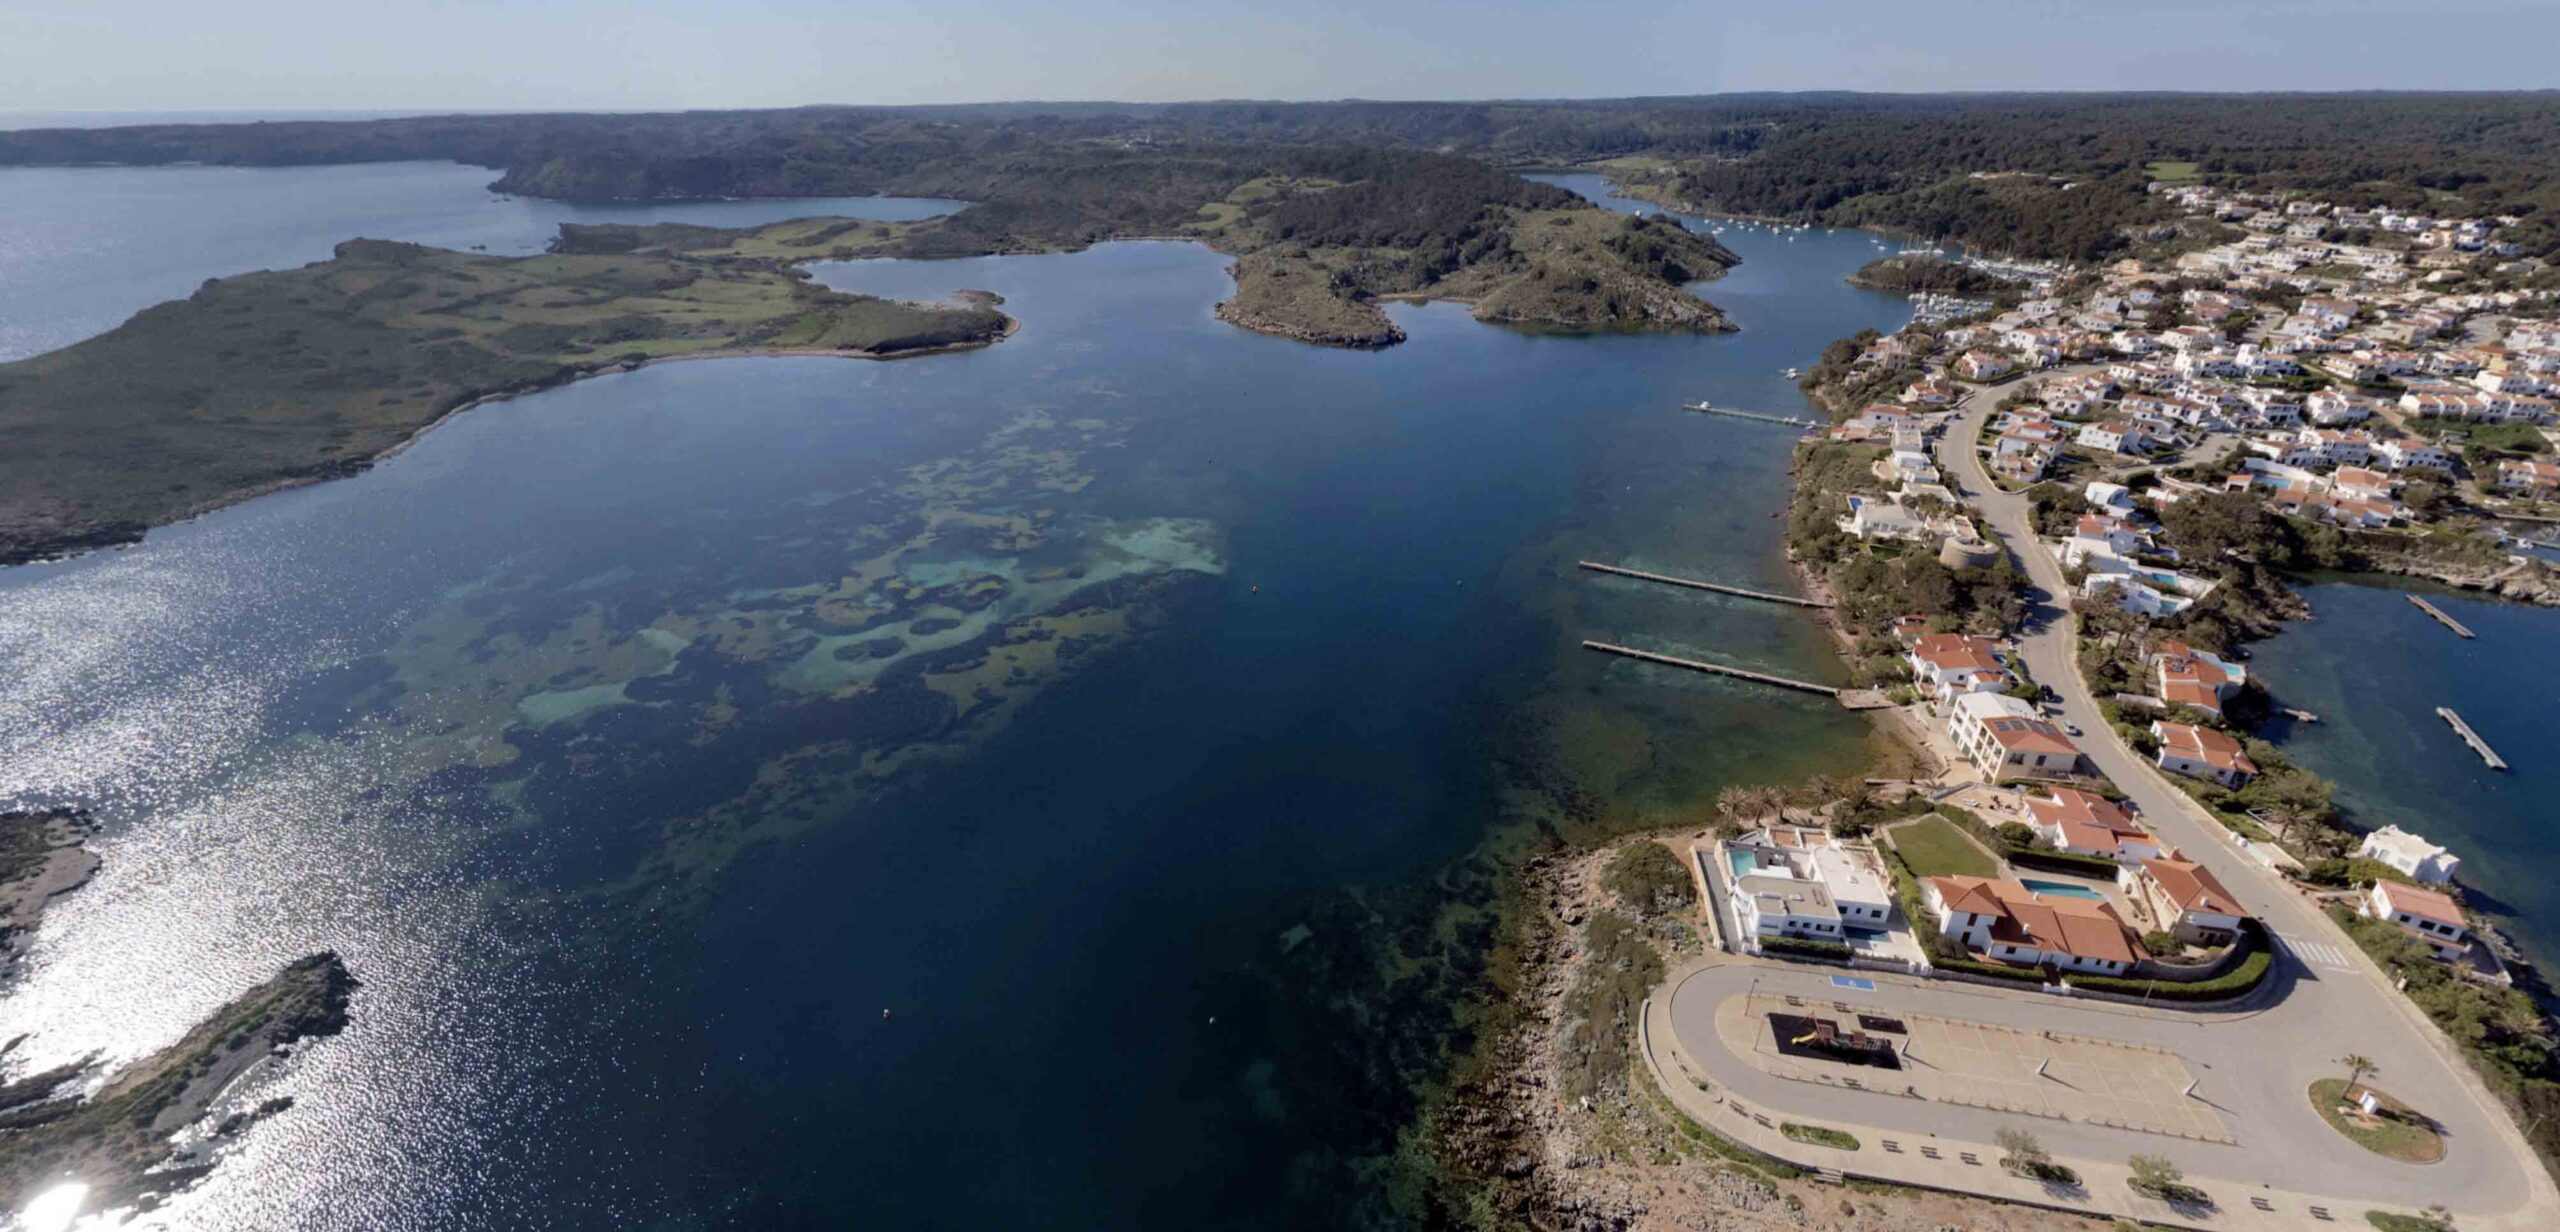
{"x":116,"y":1141}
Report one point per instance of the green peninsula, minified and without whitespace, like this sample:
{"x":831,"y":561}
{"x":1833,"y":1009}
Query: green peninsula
{"x":287,"y":376}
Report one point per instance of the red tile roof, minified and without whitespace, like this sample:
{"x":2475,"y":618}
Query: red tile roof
{"x":1949,"y":652}
{"x":2086,"y":820}
{"x":2206,"y":745}
{"x":2020,"y":916}
{"x":2193,"y":887}
{"x":2423,"y":903}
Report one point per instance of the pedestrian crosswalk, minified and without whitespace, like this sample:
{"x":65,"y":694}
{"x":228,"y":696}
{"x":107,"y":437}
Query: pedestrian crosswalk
{"x":2315,"y":953}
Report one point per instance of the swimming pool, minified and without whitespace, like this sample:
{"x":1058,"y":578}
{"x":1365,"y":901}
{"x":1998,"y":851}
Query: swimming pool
{"x":2062,"y":889}
{"x":1743,"y":863}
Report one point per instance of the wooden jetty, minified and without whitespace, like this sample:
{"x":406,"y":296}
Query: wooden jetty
{"x":1693,"y":584}
{"x":2469,"y":737}
{"x":1854,"y":699}
{"x":1755,"y":416}
{"x":2442,"y":619}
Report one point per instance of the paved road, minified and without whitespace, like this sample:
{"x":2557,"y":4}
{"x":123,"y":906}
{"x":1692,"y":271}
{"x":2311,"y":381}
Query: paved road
{"x":2252,"y":1066}
{"x":2332,"y":999}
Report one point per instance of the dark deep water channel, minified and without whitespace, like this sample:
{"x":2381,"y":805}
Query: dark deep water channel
{"x":2374,"y":669}
{"x":640,"y":742}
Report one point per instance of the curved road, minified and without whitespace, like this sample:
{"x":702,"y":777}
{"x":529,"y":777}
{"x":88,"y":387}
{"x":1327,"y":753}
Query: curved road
{"x":2324,"y":1000}
{"x":2331,"y":999}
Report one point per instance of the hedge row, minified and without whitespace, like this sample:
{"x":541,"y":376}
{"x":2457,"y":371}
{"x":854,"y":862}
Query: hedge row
{"x":2242,"y":977}
{"x":2073,"y":863}
{"x":1806,"y":946}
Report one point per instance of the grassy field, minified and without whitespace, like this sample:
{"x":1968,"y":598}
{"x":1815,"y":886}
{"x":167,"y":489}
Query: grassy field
{"x":1934,"y":847}
{"x":2171,"y":173}
{"x":2400,"y":1134}
{"x":281,"y":376}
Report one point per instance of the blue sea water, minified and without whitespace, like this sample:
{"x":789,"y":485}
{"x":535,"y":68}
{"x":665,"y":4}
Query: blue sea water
{"x":2374,"y":668}
{"x":1140,"y":712}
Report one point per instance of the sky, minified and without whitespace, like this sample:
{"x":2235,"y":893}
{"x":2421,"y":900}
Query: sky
{"x":285,"y":56}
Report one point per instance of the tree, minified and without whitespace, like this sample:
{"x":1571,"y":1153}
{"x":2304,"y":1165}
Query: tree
{"x":2016,"y":833}
{"x":2161,"y":941}
{"x":1733,"y":803}
{"x":2021,"y":1152}
{"x":2156,"y":1177}
{"x":2358,"y":1067}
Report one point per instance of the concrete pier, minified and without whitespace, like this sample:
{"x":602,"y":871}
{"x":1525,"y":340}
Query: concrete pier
{"x":1717,"y":669}
{"x":1719,"y":588}
{"x":1754,"y":416}
{"x":2442,"y":619}
{"x":2471,"y":737}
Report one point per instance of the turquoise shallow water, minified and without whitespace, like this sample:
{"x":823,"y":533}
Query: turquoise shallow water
{"x":641,"y":741}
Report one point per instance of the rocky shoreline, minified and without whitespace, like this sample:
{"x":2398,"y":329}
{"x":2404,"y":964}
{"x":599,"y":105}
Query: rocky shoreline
{"x":115,"y":1143}
{"x":43,"y":856}
{"x":1388,"y":334}
{"x":2528,"y":582}
{"x":1625,"y":1161}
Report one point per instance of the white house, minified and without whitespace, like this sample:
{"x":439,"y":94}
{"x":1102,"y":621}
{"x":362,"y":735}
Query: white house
{"x":1946,"y":664}
{"x":1794,"y":881}
{"x":2407,"y":453}
{"x":2114,"y":436}
{"x":2185,"y":676}
{"x":2424,"y":914}
{"x":2415,"y":857}
{"x":2185,"y":899}
{"x":2090,"y":825}
{"x":2005,"y":738}
{"x":2202,"y":753}
{"x":2007,"y":922}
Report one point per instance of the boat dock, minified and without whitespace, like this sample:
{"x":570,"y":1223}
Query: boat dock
{"x":1755,"y":416}
{"x":2471,"y":738}
{"x":1854,"y":699}
{"x":2442,"y":619}
{"x":1668,"y":580}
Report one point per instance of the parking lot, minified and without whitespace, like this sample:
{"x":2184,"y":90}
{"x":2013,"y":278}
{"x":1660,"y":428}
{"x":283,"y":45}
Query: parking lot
{"x":1981,"y":1065}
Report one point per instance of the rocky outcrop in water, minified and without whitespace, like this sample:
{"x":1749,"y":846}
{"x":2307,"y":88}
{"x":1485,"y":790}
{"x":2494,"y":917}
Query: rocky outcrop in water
{"x":116,"y":1142}
{"x":42,"y":857}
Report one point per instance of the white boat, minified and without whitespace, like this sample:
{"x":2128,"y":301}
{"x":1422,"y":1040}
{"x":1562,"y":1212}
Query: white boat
{"x":1792,"y":374}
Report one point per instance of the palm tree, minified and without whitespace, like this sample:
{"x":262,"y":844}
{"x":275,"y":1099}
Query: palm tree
{"x":2358,"y":1066}
{"x":1733,"y":802}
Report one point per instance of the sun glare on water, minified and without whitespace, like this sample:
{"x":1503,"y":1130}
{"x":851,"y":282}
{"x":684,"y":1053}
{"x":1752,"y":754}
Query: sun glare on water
{"x":54,"y":1209}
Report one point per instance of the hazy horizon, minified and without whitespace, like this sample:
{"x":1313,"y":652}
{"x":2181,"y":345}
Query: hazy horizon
{"x":424,"y":56}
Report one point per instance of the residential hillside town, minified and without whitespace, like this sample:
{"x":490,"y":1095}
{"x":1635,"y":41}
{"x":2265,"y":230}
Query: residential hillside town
{"x":2284,"y":384}
{"x":2351,"y":368}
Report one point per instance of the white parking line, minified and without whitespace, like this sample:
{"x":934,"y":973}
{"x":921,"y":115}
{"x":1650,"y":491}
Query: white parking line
{"x":2315,"y":953}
